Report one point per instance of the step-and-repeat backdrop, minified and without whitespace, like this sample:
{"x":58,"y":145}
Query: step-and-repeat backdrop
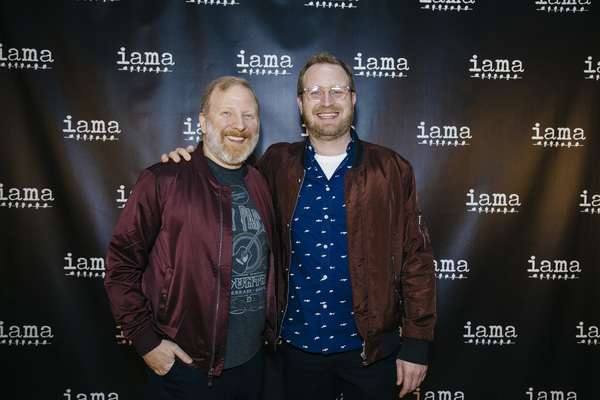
{"x":495,"y":102}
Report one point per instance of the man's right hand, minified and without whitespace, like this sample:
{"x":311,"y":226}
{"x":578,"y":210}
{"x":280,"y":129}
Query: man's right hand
{"x":175,"y":154}
{"x":162,"y":357}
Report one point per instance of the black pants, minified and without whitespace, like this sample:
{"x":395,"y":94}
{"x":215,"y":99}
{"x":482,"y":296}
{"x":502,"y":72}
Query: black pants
{"x":185,"y":383}
{"x":310,"y":376}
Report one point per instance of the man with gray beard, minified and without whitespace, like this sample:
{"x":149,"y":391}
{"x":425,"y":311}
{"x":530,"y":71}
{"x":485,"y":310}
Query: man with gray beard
{"x":190,"y":265}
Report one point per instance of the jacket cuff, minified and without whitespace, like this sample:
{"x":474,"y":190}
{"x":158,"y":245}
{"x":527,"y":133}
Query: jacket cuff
{"x":146,"y":341}
{"x":414,"y":350}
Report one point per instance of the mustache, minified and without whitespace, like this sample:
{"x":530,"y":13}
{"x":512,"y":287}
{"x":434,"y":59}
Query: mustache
{"x":237,"y":134}
{"x":327,"y":109}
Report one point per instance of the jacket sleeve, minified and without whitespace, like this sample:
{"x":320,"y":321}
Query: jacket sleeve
{"x":127,"y":259}
{"x":417,"y":279}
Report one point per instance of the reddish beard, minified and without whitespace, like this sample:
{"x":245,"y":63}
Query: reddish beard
{"x":322,"y":129}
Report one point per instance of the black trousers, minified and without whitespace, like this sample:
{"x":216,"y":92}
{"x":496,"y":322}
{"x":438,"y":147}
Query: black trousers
{"x":185,"y":383}
{"x":311,"y":376}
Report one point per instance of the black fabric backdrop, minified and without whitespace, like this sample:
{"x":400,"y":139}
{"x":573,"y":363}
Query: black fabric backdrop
{"x":495,"y":103}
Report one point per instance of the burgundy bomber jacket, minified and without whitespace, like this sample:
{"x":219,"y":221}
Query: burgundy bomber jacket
{"x":168,"y":268}
{"x":389,"y":251}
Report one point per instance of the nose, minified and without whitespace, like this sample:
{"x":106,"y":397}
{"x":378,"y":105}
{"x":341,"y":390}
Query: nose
{"x":237,"y":122}
{"x":326,"y":98}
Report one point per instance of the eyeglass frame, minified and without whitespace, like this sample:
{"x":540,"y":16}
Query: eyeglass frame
{"x":307,"y":90}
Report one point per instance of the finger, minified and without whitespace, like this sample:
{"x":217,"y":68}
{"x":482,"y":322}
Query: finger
{"x":422,"y":377}
{"x":183,"y":356}
{"x":164,"y":158}
{"x":184,"y":153}
{"x":399,"y":373}
{"x":403,"y":392}
{"x":190,"y":149}
{"x":174,"y":156}
{"x":408,"y":386}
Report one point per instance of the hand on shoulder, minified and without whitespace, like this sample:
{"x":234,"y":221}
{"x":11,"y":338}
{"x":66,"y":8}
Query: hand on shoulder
{"x":179,"y":152}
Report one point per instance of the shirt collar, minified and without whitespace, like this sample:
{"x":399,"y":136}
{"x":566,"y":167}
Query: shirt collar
{"x":310,"y":150}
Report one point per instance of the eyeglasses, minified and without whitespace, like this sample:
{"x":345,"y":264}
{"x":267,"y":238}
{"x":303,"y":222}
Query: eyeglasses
{"x":336,"y":93}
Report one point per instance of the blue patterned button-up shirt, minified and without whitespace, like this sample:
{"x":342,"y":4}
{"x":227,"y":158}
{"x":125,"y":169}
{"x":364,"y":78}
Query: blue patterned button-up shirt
{"x":320,"y":318}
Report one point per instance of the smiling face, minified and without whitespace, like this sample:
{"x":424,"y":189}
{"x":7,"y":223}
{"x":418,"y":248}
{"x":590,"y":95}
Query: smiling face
{"x":326,"y":119}
{"x":230,"y":128}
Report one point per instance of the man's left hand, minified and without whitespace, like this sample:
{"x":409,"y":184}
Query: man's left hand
{"x":409,"y":375}
{"x":176,"y":154}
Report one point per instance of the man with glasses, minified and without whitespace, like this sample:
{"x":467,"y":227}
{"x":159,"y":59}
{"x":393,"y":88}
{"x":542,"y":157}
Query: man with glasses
{"x":356,"y":285}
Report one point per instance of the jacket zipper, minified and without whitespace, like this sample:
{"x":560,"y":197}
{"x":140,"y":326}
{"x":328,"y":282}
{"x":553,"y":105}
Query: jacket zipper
{"x":287,"y":294}
{"x":214,"y":347}
{"x":363,"y":355}
{"x":422,"y":234}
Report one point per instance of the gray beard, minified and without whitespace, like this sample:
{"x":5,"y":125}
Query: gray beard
{"x":214,"y":141}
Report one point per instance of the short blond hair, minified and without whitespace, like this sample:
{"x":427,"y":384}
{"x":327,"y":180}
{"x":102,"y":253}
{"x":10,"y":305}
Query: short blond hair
{"x":325,"y":58}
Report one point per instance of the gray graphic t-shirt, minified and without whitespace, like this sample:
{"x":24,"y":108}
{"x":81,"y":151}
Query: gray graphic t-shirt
{"x":250,"y":257}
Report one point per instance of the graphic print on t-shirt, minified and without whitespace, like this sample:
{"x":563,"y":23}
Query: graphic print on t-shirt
{"x":248,"y":264}
{"x":246,"y":252}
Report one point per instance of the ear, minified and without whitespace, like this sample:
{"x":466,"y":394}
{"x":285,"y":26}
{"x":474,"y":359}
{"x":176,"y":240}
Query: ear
{"x":353,"y":98}
{"x":299,"y":101}
{"x":202,"y":120}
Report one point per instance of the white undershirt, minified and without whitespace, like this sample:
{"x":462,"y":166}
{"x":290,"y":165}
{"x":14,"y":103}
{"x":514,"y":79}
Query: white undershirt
{"x":329,"y":164}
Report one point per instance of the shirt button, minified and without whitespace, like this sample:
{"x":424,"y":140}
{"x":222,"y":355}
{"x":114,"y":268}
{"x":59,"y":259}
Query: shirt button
{"x":163,"y":296}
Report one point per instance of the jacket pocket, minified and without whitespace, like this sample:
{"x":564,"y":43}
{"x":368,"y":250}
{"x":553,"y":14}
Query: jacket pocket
{"x":163,"y":296}
{"x":397,"y":285}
